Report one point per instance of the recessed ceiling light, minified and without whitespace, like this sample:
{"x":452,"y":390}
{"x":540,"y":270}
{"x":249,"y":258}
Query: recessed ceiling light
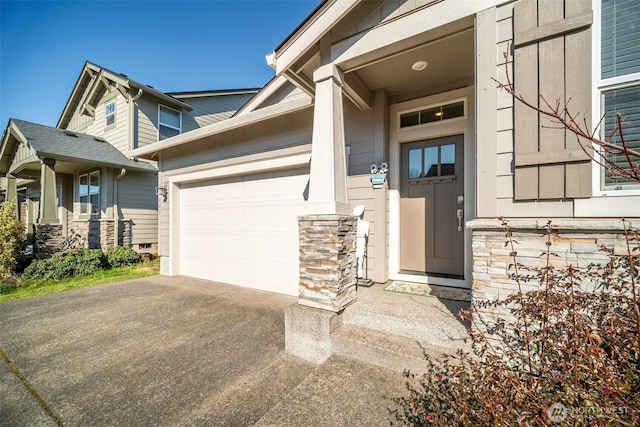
{"x":419,"y":66}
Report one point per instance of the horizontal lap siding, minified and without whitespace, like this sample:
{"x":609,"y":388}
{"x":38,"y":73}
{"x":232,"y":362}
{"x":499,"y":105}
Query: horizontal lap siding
{"x":287,"y":93}
{"x":137,"y":202}
{"x":211,"y":109}
{"x":117,"y":136}
{"x":361,"y":193}
{"x":249,"y":144}
{"x":79,"y":121}
{"x":359,"y":136}
{"x":147,"y":120}
{"x":252,"y":140}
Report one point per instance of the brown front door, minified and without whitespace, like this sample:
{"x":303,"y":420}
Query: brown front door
{"x":432,"y":207}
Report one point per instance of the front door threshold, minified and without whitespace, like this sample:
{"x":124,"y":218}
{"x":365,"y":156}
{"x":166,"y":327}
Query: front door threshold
{"x":453,"y":281}
{"x":433,"y":274}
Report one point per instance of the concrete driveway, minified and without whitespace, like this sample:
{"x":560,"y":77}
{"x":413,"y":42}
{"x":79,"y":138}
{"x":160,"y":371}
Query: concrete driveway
{"x":173,"y":351}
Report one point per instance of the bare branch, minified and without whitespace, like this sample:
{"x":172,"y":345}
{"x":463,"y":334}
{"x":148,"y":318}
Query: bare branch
{"x":559,"y":113}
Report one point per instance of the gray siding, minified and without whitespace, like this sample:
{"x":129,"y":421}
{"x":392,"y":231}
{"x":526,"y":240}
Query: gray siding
{"x":117,"y":134}
{"x":287,"y":93}
{"x":246,"y":141}
{"x":211,"y":109}
{"x":497,"y":153}
{"x":137,"y":202}
{"x":358,"y":130}
{"x":147,"y":119}
{"x":79,"y":121}
{"x":247,"y":144}
{"x":359,"y":136}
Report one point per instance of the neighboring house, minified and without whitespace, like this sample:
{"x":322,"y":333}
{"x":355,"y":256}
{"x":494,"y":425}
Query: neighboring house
{"x":78,"y":176}
{"x":410,"y":83}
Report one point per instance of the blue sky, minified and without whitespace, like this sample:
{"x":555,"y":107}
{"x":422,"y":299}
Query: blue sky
{"x":171,"y":45}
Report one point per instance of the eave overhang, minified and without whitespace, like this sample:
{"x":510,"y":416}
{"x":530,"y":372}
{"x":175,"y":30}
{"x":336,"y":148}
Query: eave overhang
{"x":11,"y":139}
{"x":236,"y":122}
{"x":99,"y":79}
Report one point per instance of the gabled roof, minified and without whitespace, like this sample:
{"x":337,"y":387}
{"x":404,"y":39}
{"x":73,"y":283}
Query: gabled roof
{"x":64,"y":145}
{"x":97,"y":79}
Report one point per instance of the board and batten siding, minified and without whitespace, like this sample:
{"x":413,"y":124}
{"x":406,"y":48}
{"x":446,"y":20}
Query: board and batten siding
{"x":137,"y":202}
{"x":495,"y":124}
{"x":552,"y":37}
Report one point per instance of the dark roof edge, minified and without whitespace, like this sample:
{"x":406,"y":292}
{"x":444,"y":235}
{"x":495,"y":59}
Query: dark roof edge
{"x":302,"y":24}
{"x":214,"y":92}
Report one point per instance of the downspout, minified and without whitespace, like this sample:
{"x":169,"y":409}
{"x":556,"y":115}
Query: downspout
{"x":116,"y":213}
{"x":132,"y":124}
{"x":132,"y":116}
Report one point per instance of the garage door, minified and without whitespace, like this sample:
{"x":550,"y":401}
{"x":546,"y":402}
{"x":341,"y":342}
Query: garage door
{"x":243,"y":230}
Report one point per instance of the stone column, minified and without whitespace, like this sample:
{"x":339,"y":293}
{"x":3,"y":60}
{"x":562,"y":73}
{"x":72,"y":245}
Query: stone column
{"x":328,"y":174}
{"x":327,"y":261}
{"x":48,"y":202}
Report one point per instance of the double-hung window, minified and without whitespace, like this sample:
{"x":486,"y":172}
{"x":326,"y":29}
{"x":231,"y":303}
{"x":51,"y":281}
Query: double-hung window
{"x":89,"y":193}
{"x":110,"y":114}
{"x":169,"y":122}
{"x":619,"y":83}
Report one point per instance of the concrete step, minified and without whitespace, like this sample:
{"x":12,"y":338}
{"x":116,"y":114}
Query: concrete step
{"x":425,"y":319}
{"x":377,"y":348}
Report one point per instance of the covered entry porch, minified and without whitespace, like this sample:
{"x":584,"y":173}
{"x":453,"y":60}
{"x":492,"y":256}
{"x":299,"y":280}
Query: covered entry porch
{"x":70,"y":186}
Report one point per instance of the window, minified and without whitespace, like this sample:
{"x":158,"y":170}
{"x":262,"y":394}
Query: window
{"x":619,"y":85}
{"x":432,"y":162}
{"x":110,"y":114}
{"x":89,"y":193}
{"x":432,"y":114}
{"x":169,"y":122}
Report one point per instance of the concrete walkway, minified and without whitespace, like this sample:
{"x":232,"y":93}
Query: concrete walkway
{"x":172,"y":351}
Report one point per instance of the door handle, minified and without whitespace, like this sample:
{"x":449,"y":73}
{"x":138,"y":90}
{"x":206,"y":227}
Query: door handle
{"x":460,"y":215}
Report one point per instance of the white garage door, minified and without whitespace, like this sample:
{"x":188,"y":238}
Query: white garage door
{"x":243,"y":230}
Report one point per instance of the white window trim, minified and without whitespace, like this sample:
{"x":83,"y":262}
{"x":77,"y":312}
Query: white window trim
{"x":179,"y":129}
{"x":463,"y":99}
{"x":598,"y":87}
{"x":115,"y":107}
{"x":90,"y":214}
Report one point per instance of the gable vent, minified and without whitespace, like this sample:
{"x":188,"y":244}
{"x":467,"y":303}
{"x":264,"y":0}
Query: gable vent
{"x":69,"y":133}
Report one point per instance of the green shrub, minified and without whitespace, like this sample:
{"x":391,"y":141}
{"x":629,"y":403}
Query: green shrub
{"x":11,"y":238}
{"x":121,"y":256}
{"x":76,"y":262}
{"x":569,"y":354}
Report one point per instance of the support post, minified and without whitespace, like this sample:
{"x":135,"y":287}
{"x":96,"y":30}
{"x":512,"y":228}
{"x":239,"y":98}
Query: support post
{"x":12,"y":192}
{"x":328,"y":172}
{"x":48,"y":203}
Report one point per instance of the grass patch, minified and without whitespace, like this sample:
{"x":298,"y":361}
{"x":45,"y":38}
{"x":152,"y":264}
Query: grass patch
{"x":35,"y":288}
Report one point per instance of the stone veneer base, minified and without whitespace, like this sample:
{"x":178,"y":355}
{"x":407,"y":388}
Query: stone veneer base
{"x":327,"y":261}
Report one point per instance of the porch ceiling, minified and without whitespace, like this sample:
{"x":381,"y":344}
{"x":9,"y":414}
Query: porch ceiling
{"x":448,"y":50}
{"x":31,"y":170}
{"x":450,"y":64}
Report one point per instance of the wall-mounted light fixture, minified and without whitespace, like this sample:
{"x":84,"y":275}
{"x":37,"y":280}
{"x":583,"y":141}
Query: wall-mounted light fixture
{"x":162,"y":191}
